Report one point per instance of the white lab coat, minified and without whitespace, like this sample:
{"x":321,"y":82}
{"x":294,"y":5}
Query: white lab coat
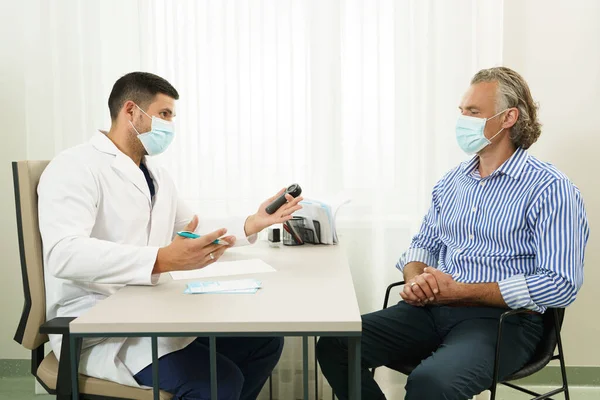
{"x":100,"y":231}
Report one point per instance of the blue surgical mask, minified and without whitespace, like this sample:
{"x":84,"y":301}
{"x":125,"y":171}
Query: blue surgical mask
{"x":160,"y":136}
{"x":469,"y":133}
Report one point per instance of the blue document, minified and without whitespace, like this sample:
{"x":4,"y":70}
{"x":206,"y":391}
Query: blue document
{"x":239,"y":286}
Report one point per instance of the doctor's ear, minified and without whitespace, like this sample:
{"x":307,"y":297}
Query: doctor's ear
{"x":510,"y":118}
{"x":129,"y":107}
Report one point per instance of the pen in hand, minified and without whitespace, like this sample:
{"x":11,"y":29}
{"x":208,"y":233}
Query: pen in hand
{"x":192,"y":235}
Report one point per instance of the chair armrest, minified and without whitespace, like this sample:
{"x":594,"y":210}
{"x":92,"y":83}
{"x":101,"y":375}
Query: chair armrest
{"x":503,"y":317}
{"x":60,"y":326}
{"x":512,"y":312}
{"x":387,"y":292}
{"x":56,"y":326}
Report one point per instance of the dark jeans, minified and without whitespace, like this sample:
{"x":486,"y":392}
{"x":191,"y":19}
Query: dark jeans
{"x":243,"y":366}
{"x":454,"y":348}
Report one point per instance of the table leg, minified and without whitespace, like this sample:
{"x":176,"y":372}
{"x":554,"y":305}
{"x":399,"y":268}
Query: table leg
{"x":354,"y":367}
{"x":155,"y":381}
{"x":213,"y":367}
{"x":74,"y":351}
{"x":305,"y":365}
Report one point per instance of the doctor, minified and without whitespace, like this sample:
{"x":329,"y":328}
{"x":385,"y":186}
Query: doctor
{"x":107,"y":218}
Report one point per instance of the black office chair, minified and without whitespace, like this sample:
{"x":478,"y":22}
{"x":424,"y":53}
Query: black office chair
{"x":553,"y":319}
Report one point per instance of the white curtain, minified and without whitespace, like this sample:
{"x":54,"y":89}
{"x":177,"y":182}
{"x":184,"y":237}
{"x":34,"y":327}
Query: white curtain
{"x":73,"y":52}
{"x":242,"y":70}
{"x":349,"y":98}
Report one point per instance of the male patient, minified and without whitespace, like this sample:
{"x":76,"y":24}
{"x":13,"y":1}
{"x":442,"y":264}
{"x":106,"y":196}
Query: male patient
{"x":505,"y":230}
{"x":108,"y":216}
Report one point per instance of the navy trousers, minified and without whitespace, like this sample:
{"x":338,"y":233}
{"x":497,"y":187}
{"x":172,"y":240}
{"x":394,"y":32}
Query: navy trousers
{"x":454,"y":348}
{"x":243,"y":366}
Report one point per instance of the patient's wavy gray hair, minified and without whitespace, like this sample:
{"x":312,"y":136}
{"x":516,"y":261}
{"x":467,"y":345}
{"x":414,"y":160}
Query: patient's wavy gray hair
{"x":513,"y":91}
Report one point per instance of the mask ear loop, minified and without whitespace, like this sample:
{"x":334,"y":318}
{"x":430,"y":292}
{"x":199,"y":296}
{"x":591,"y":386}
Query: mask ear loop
{"x":151,"y":117}
{"x":493,"y":116}
{"x":136,"y":131}
{"x":492,"y":138}
{"x":130,"y":123}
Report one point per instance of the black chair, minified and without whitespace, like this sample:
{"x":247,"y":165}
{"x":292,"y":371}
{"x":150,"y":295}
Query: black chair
{"x":553,"y":319}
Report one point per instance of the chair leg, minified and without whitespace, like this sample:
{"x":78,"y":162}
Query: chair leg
{"x":496,"y":365}
{"x":497,"y":358}
{"x":561,"y":357}
{"x":316,"y":372}
{"x":271,"y":386}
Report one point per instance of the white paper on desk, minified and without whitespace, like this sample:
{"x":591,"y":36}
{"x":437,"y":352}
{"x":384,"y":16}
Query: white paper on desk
{"x":225,"y":268}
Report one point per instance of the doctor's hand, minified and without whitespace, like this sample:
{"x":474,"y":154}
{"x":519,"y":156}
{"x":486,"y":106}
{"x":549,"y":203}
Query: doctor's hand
{"x":261,"y":220}
{"x":186,"y":254}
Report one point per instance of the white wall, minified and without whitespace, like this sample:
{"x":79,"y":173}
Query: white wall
{"x":53,"y":93}
{"x":12,"y":148}
{"x":555,"y":45}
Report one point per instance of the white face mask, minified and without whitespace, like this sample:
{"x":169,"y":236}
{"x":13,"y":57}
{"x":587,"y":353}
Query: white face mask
{"x":469,"y":133}
{"x":159,"y":137}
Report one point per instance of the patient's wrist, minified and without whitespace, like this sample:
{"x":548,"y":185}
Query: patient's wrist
{"x":413,"y":269}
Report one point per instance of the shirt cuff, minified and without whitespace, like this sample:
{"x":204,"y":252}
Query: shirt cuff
{"x":416,"y":254}
{"x":515,"y":292}
{"x":237,"y":229}
{"x":148,"y":258}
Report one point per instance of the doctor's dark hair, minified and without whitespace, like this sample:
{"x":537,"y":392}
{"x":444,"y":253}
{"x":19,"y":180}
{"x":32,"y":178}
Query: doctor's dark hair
{"x":139,"y":87}
{"x":513,"y":91}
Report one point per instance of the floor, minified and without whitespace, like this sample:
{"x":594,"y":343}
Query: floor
{"x":393,"y":383}
{"x":20,"y":389}
{"x":504,"y":393}
{"x":23,"y":389}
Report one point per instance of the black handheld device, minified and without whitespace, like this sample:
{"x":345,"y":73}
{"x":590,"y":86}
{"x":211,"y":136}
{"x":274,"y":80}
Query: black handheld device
{"x":294,"y":190}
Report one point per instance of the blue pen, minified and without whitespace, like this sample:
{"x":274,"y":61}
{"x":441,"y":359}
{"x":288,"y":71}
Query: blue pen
{"x":192,"y":235}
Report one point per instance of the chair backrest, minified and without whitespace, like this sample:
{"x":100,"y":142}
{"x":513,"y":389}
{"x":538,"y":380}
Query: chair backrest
{"x":26,"y":176}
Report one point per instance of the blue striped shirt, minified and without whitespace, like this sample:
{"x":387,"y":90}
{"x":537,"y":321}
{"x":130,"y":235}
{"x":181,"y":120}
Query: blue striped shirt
{"x":524,"y":226}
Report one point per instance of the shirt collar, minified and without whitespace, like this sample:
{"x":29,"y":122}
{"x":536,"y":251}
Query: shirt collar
{"x":101,"y":142}
{"x":512,"y":167}
{"x":470,"y":165}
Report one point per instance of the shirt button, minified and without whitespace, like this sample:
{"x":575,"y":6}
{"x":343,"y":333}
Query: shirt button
{"x":474,"y":209}
{"x":482,"y":183}
{"x":471,"y":237}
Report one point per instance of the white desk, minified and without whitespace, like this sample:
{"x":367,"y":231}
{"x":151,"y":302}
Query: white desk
{"x":311,"y":294}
